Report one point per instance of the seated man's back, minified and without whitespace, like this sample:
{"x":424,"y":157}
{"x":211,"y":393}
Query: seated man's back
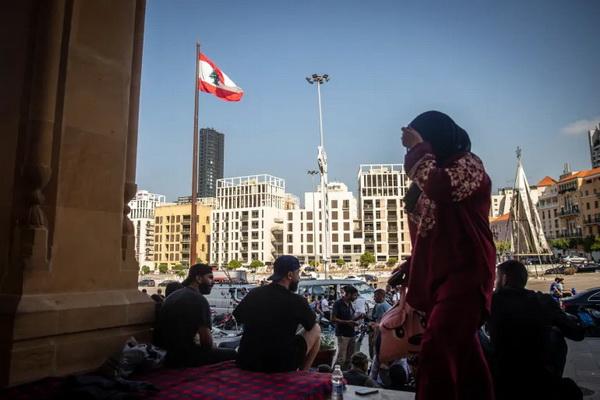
{"x":183,"y":326}
{"x":523,"y":325}
{"x":271,"y":315}
{"x":180,"y":316}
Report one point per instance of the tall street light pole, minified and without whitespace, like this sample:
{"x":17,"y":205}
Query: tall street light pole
{"x":312,"y":174}
{"x":322,"y":159}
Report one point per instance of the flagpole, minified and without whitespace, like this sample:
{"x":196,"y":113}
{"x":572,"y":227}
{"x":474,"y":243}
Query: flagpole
{"x":193,"y":217}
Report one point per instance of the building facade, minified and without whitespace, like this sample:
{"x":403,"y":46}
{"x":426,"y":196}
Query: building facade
{"x":142,"y":208}
{"x":211,"y":160}
{"x":594,"y":143}
{"x":547,"y":207}
{"x":303,"y":228}
{"x":247,"y":222}
{"x":172,"y":233}
{"x":384,"y":223}
{"x":501,"y":201}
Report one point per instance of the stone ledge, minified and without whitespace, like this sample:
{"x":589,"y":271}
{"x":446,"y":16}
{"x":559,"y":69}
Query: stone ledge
{"x":66,"y":354}
{"x":43,"y":315}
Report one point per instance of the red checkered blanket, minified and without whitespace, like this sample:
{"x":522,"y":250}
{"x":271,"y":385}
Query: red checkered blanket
{"x":225,"y":381}
{"x":222,"y":381}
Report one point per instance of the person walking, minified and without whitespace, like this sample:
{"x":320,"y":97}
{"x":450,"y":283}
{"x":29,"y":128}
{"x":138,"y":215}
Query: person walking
{"x":450,"y":273}
{"x":344,"y":318}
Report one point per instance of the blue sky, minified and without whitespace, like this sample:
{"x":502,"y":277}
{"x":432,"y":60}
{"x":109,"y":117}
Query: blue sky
{"x":512,"y":73}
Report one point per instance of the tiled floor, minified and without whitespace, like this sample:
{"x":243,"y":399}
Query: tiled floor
{"x":583,"y":366}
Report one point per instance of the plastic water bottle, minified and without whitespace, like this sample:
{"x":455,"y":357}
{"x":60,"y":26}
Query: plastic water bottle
{"x":337,"y":383}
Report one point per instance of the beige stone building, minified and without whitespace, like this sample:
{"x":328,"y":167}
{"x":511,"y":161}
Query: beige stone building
{"x":547,"y":206}
{"x":172,"y":233}
{"x":590,"y":202}
{"x":70,"y":87}
{"x":578,"y":204}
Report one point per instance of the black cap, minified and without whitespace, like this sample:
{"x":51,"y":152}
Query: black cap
{"x":282,"y":266}
{"x":195,"y":270}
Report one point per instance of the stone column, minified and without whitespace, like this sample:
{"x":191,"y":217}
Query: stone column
{"x":68,"y":279}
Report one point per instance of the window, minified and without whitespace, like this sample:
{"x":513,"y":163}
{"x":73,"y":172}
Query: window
{"x":587,"y":205}
{"x":334,"y":204}
{"x":309,"y":226}
{"x":335,"y":237}
{"x":346,"y":204}
{"x":334,"y":215}
{"x":346,"y":237}
{"x":346,"y":226}
{"x":309,"y":238}
{"x":334,"y":226}
{"x":309,"y":215}
{"x":335,"y":249}
{"x":346,"y":214}
{"x":290,"y":215}
{"x":290,"y":227}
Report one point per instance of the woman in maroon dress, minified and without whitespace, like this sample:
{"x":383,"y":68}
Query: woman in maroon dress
{"x":450,"y":273}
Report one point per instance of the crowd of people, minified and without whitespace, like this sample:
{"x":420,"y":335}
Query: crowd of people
{"x":486,"y":336}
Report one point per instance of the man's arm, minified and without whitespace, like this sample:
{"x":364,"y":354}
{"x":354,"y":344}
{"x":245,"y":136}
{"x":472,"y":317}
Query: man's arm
{"x":206,"y":339}
{"x":569,"y":326}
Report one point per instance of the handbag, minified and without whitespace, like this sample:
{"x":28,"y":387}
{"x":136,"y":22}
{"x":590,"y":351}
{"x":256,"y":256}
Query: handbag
{"x":401,"y":331}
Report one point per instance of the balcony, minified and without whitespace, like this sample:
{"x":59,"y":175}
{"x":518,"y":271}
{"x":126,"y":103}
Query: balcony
{"x":369,"y":241}
{"x":368,"y":228}
{"x":570,"y":233}
{"x":592,"y":220}
{"x":244,"y":218}
{"x":392,"y":217}
{"x":244,"y":228}
{"x":569,"y":211}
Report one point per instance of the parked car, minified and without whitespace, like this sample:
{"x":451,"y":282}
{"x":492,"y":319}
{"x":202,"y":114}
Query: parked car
{"x":147,"y":283}
{"x":586,"y":307}
{"x":318,"y":287}
{"x":223,"y":298}
{"x":588,"y":267}
{"x":574,"y":260}
{"x":555,"y":270}
{"x":166,"y":282}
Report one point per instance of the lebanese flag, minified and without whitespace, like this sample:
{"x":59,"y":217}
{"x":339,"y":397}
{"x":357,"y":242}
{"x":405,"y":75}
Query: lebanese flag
{"x":212,"y":80}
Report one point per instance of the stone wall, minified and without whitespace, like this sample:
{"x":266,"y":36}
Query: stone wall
{"x":68,"y":276}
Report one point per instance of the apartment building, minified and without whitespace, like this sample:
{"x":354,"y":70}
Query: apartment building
{"x":547,"y":207}
{"x":141,"y":213}
{"x":589,"y":202}
{"x":594,"y":143}
{"x":247,"y":222}
{"x":381,"y":208}
{"x":172,"y":237}
{"x":303,"y":228}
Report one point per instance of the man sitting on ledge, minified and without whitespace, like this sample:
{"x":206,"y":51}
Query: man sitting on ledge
{"x":184,"y":323}
{"x":271,"y":315}
{"x":527,"y":331}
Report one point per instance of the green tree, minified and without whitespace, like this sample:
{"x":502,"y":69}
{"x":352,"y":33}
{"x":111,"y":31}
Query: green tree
{"x":596,"y":245}
{"x":366,"y":259}
{"x":392,"y":261}
{"x":255,"y":264}
{"x":588,"y":242}
{"x":163,"y":268}
{"x":340,"y":262}
{"x":145,"y":270}
{"x":313,"y":263}
{"x":502,"y":246}
{"x":560,"y":244}
{"x":234,"y":264}
{"x":177,"y":267}
{"x":181,"y":273}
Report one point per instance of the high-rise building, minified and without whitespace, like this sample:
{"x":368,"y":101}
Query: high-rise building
{"x":594,"y":141}
{"x":211,"y":154}
{"x":381,"y":200}
{"x":172,"y":233}
{"x":247,"y":222}
{"x":142,"y":208}
{"x":303,"y":233}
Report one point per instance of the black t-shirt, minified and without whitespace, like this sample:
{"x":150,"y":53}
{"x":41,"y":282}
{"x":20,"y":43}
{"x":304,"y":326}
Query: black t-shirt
{"x":271,"y":315}
{"x":345,"y":312}
{"x":520,"y":325}
{"x":179,"y":318}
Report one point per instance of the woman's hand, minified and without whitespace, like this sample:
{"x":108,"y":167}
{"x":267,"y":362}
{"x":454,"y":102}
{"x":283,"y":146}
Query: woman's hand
{"x":410,"y":137}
